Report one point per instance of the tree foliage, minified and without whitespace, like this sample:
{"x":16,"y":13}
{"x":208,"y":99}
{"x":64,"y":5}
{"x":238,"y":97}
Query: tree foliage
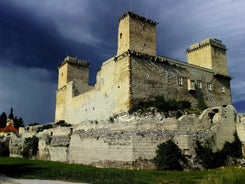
{"x":3,"y":120}
{"x":18,"y":122}
{"x":169,"y":156}
{"x":30,"y":147}
{"x":4,"y":149}
{"x":11,"y":114}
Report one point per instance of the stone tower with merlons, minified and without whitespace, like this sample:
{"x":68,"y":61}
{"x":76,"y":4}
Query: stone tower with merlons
{"x":136,"y":33}
{"x":209,"y":53}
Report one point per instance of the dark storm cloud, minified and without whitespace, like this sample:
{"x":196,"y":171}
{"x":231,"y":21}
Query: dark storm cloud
{"x":36,"y":35}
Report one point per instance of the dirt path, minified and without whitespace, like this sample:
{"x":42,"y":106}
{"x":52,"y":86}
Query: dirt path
{"x":7,"y":180}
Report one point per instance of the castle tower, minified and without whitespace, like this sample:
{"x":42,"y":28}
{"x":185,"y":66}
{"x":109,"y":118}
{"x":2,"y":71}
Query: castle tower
{"x":136,"y":33}
{"x":71,"y":69}
{"x":209,"y":53}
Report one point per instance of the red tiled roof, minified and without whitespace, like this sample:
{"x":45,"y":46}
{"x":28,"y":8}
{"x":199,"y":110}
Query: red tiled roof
{"x":9,"y":128}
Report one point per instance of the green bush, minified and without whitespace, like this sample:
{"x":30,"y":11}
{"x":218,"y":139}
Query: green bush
{"x":219,"y":158}
{"x":169,"y":156}
{"x":209,"y":159}
{"x":4,"y":149}
{"x":30,"y":148}
{"x":162,"y":105}
{"x":45,"y":127}
{"x":62,"y":123}
{"x":233,"y":149}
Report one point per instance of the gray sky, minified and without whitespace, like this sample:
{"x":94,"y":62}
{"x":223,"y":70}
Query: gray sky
{"x":36,"y":35}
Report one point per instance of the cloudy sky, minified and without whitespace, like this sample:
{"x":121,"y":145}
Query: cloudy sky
{"x":36,"y":35}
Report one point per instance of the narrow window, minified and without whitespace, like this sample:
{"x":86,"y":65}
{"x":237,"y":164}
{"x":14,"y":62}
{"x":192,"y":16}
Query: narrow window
{"x":120,"y":35}
{"x":209,"y":87}
{"x":223,"y":89}
{"x":199,"y":84}
{"x":191,"y":85}
{"x":180,"y":81}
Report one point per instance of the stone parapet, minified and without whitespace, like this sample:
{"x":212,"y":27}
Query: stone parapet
{"x":213,"y":42}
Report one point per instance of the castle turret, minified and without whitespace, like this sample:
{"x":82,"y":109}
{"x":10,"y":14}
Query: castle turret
{"x":209,"y":53}
{"x":136,"y":33}
{"x":71,"y":69}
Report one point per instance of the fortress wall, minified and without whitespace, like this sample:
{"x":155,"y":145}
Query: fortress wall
{"x":142,"y":36}
{"x":60,"y":110}
{"x":58,"y":153}
{"x":145,"y":145}
{"x":110,"y":96}
{"x":89,"y":106}
{"x":91,"y":150}
{"x":122,"y":85}
{"x":151,"y":79}
{"x":209,"y":53}
{"x":224,"y":126}
{"x":75,"y":71}
{"x":200,"y":58}
{"x":130,"y":141}
{"x":62,"y":75}
{"x":80,"y":87}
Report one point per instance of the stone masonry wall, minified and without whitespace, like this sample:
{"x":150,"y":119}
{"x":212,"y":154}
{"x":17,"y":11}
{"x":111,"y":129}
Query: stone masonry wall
{"x":110,"y":96}
{"x":209,"y":53}
{"x":136,"y":33}
{"x":130,"y":141}
{"x":150,"y":79}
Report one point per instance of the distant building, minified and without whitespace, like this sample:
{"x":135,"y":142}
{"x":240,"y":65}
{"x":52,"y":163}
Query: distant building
{"x":137,"y":74}
{"x":9,"y":129}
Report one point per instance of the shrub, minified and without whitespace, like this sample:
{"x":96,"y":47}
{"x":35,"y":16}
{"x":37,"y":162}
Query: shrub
{"x":33,"y":124}
{"x":233,"y":149}
{"x":62,"y":123}
{"x":169,"y":156}
{"x":30,"y":147}
{"x":216,"y":159}
{"x":162,"y":105}
{"x":45,"y":127}
{"x":208,"y":158}
{"x":4,"y":149}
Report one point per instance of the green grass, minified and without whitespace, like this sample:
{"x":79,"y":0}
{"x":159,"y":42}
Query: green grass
{"x":33,"y":169}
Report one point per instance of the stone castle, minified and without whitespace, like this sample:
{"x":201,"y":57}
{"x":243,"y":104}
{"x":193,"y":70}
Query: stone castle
{"x":137,"y":74}
{"x":97,"y":137}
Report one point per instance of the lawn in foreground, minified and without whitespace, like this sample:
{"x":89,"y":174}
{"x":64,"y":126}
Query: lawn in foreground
{"x":34,"y":169}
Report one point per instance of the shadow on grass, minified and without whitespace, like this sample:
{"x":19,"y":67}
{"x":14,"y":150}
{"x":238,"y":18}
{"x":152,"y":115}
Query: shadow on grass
{"x":18,"y":170}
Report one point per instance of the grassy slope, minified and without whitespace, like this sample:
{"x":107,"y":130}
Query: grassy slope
{"x":23,"y":168}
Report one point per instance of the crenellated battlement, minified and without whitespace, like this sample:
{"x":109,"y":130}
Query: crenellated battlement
{"x":208,"y":42}
{"x":135,"y":16}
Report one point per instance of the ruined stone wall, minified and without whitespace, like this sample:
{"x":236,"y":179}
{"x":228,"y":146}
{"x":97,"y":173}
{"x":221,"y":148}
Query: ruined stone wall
{"x":130,"y":141}
{"x":100,"y":148}
{"x":150,"y":79}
